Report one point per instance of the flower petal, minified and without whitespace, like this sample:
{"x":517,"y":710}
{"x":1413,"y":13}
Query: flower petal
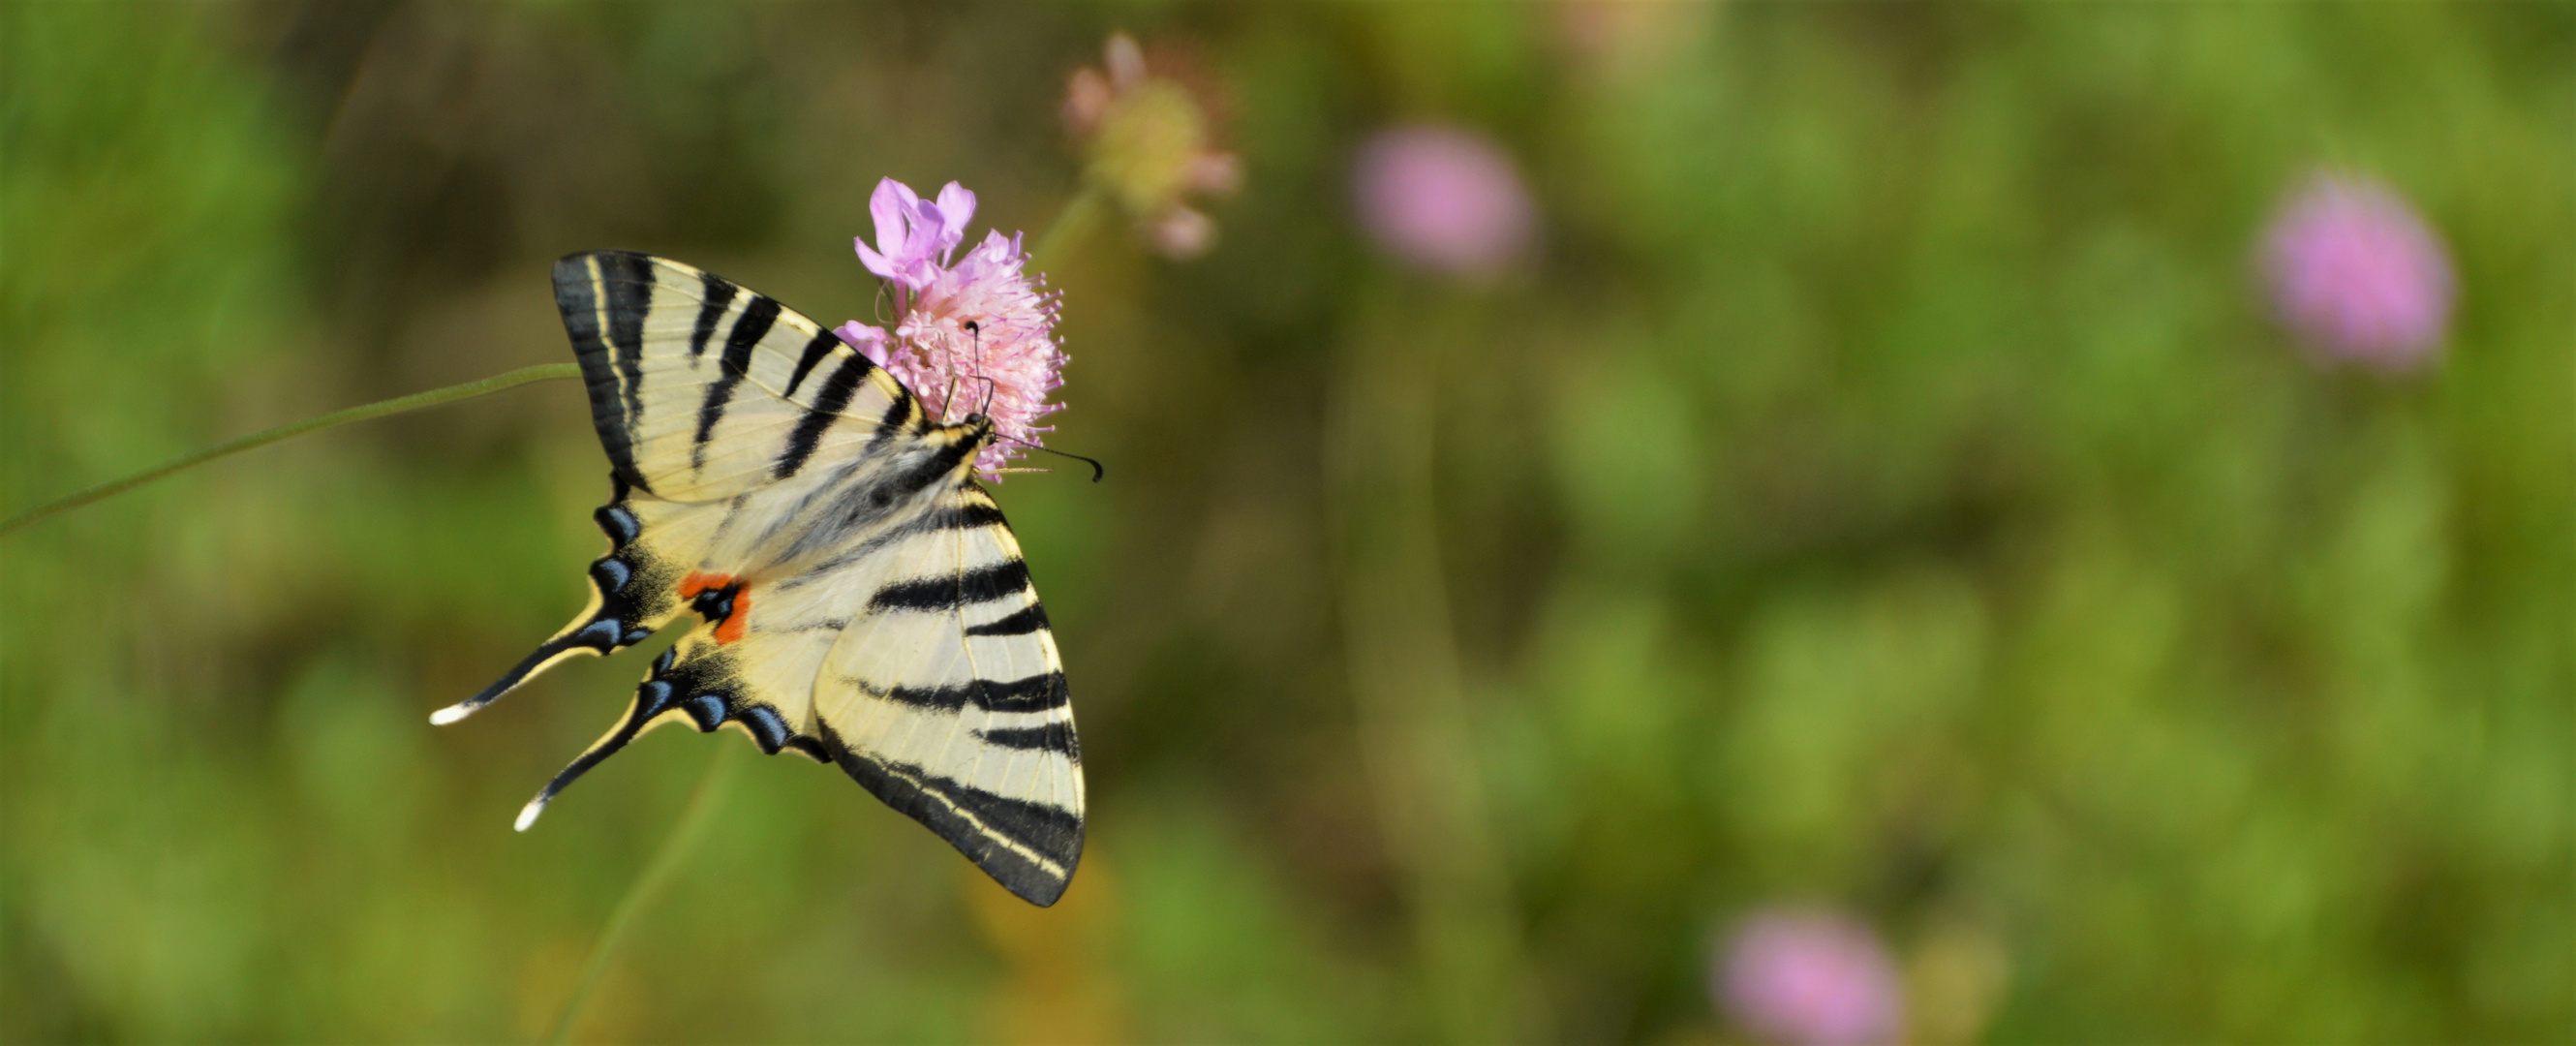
{"x":870,"y":341}
{"x":956,"y":205}
{"x":922,"y":245}
{"x":877,"y":263}
{"x":891,"y":205}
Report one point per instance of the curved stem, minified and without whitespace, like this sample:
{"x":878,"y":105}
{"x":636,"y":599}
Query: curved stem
{"x":701,"y":809}
{"x":1071,"y":224}
{"x":416,"y":401}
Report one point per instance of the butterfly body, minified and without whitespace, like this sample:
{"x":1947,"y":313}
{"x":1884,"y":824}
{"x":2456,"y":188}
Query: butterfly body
{"x":858,"y":597}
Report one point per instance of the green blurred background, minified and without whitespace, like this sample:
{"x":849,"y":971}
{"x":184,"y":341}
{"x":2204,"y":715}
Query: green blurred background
{"x":1882,"y":488}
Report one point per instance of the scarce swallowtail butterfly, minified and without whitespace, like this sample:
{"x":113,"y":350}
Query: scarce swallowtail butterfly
{"x":858,"y":598}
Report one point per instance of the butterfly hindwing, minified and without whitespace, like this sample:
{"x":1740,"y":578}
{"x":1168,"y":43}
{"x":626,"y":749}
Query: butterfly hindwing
{"x":948,"y":700}
{"x":860,"y":599}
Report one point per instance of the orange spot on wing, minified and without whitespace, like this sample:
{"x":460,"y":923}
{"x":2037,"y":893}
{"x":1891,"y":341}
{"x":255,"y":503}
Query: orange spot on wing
{"x":739,"y":612}
{"x":700,"y":581}
{"x":731,"y":628}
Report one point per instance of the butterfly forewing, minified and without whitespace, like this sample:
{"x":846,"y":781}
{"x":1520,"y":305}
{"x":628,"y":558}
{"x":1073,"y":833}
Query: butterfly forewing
{"x":859,"y":598}
{"x":678,"y":362}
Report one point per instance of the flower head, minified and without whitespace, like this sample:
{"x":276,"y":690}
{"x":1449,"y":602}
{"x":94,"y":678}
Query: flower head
{"x":1150,"y":142}
{"x":2358,"y":275}
{"x":974,"y":337}
{"x":1811,"y":978}
{"x":1443,"y":199}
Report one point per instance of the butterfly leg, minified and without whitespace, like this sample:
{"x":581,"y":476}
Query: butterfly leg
{"x":624,"y":605}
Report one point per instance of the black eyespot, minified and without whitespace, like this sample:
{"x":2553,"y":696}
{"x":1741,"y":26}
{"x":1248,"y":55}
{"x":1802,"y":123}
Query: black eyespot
{"x":715,"y":604}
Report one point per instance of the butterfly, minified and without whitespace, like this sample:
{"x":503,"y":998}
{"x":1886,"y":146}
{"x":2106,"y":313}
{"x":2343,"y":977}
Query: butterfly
{"x":859,"y":599}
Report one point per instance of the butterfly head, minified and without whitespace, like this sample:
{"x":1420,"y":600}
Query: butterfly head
{"x":976,"y":431}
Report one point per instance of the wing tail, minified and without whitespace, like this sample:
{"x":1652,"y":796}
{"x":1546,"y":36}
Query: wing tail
{"x":589,"y":635}
{"x":694,"y":682}
{"x":628,"y":726}
{"x":626,"y":601}
{"x":666,"y":695}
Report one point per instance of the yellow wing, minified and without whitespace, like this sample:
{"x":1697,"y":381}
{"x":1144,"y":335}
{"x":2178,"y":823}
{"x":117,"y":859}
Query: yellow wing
{"x":860,"y":599}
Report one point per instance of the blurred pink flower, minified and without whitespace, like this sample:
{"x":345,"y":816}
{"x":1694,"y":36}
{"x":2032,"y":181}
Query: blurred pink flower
{"x":2358,"y":275}
{"x":978,"y":336}
{"x":1811,"y":978}
{"x":1443,"y":199}
{"x":1149,"y":138}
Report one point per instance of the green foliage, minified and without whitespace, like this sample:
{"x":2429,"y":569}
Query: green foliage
{"x":1884,"y":490}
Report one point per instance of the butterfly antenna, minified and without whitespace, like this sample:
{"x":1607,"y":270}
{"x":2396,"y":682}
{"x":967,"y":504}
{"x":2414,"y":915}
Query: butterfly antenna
{"x":1096,"y":470}
{"x":977,"y":330}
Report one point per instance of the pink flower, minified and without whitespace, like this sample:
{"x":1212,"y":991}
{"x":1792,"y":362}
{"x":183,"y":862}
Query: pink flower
{"x":1811,"y":978}
{"x":2357,"y":275}
{"x":1443,"y":199}
{"x":1150,"y":140}
{"x":975,"y":337}
{"x":914,"y":236}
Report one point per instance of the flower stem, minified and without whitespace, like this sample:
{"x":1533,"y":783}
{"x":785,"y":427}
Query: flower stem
{"x":416,"y":401}
{"x":701,"y":809}
{"x":1418,"y":727}
{"x":1071,"y":225}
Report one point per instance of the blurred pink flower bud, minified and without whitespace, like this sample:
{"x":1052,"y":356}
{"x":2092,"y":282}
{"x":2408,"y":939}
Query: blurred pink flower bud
{"x":1086,"y":100}
{"x":1126,"y":61}
{"x":1443,"y":199}
{"x":1182,"y":233}
{"x":2358,"y":275}
{"x":1811,"y":978}
{"x":1217,"y":174}
{"x":1626,"y":38}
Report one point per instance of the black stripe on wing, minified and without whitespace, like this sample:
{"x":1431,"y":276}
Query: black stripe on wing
{"x":835,"y":395}
{"x":577,"y":294}
{"x":748,"y":329}
{"x":716,"y":295}
{"x":817,"y":349}
{"x":1028,"y":619}
{"x":1043,"y":692}
{"x":626,"y":282}
{"x":1030,"y":848}
{"x":955,"y":591}
{"x":1053,"y":737}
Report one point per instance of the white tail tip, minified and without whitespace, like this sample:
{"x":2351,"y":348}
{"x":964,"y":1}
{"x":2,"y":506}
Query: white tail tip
{"x":528,"y":814}
{"x":450,"y":714}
